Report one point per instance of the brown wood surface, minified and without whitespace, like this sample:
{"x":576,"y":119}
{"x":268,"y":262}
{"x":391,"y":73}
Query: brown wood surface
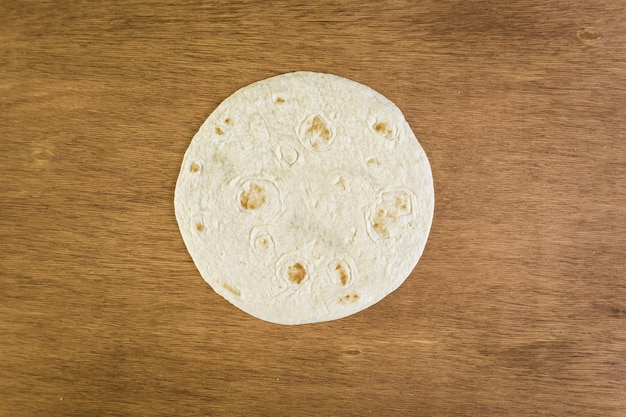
{"x":517,"y":308}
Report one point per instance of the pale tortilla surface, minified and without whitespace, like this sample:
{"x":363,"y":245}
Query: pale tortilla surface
{"x":305,"y":197}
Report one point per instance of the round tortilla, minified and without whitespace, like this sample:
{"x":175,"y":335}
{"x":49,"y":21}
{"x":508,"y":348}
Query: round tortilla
{"x":304,"y":198}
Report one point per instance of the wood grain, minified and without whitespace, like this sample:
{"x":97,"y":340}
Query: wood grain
{"x":518,"y":307}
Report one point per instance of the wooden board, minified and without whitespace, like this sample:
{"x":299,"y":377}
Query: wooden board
{"x":518,"y":307}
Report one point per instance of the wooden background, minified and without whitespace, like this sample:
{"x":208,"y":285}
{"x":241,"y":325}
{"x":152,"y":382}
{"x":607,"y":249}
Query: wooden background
{"x":517,"y":308}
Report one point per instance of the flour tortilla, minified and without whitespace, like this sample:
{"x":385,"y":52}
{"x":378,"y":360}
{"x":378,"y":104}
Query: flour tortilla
{"x":304,"y":198}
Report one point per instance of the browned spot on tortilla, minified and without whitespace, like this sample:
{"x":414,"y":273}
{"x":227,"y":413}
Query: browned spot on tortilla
{"x":382,"y":128}
{"x":296,"y":273}
{"x":228,"y":120}
{"x":199,"y":227}
{"x":380,"y":228}
{"x":253,"y":198}
{"x":319,"y":127}
{"x":231,"y":289}
{"x":401,"y":203}
{"x":341,"y":182}
{"x":194,"y":167}
{"x":280,"y":100}
{"x":219,"y":157}
{"x":263,"y":243}
{"x":349,"y":298}
{"x":343,"y":275}
{"x":380,"y":223}
{"x":219,"y":131}
{"x":373,"y":162}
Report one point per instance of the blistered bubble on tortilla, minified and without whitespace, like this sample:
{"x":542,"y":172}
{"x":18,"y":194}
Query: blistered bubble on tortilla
{"x":304,"y":198}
